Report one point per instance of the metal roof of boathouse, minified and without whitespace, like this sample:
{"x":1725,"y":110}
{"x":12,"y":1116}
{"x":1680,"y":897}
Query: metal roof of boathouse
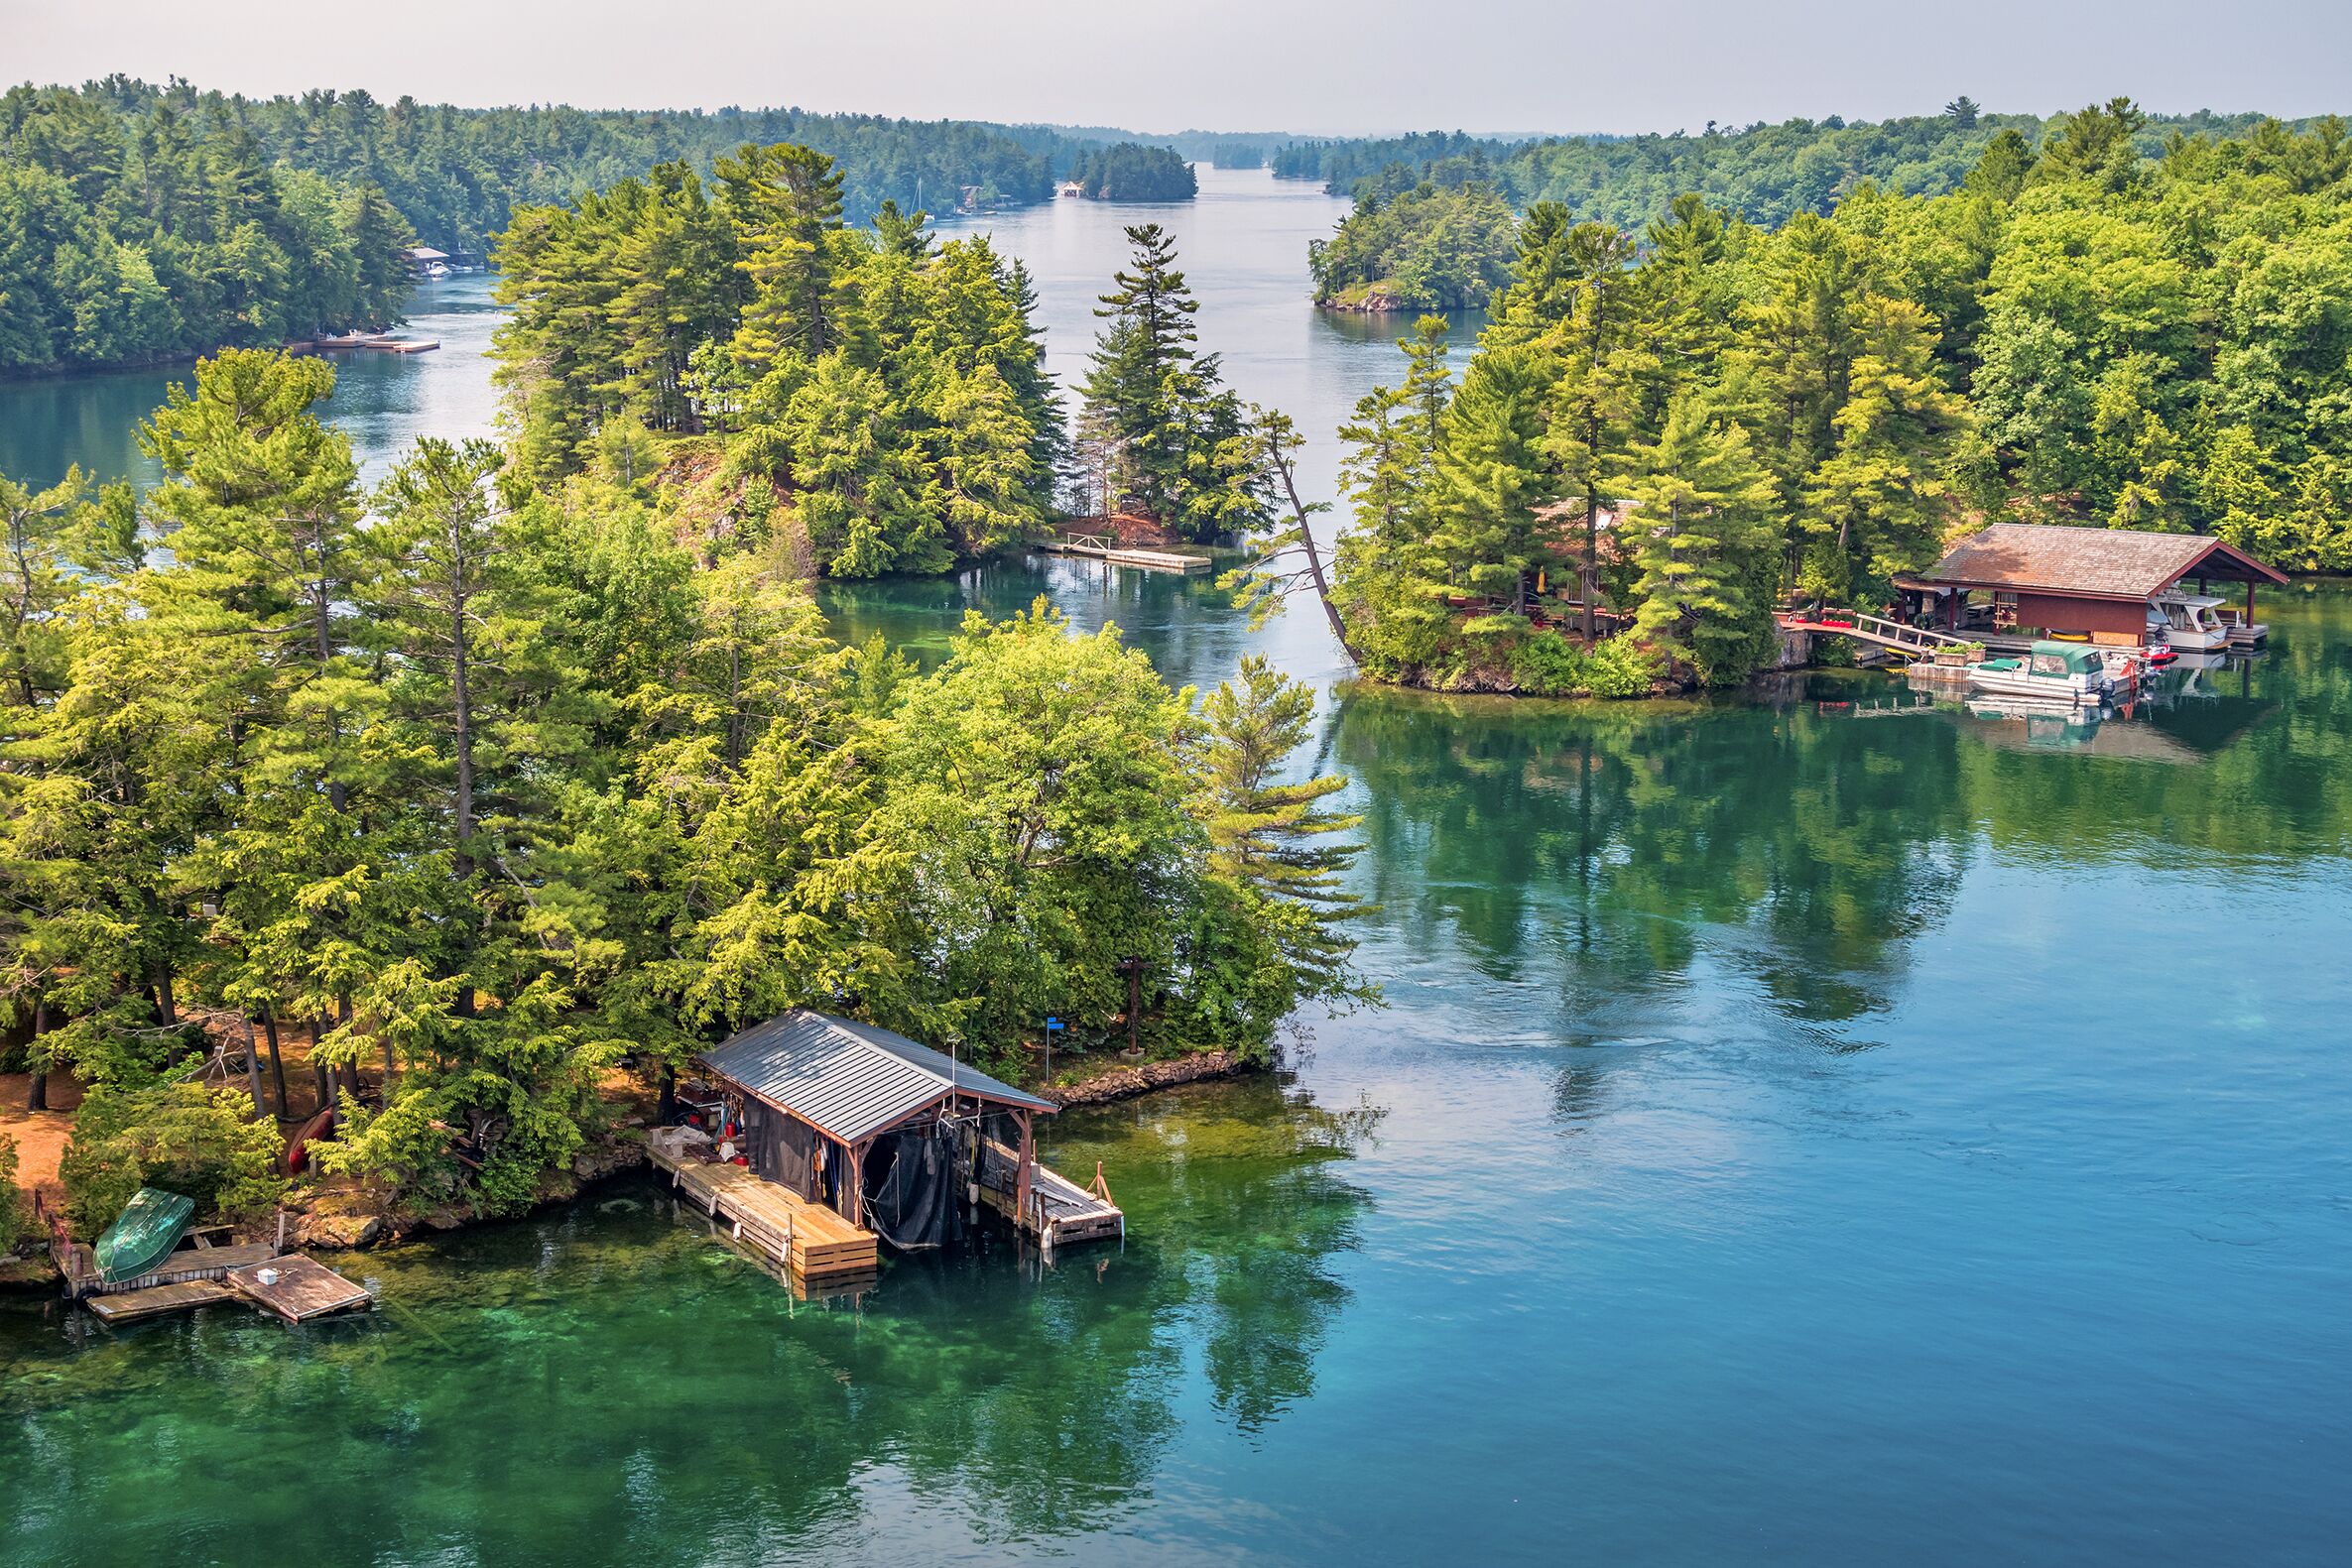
{"x":2087,"y":563}
{"x":850,"y":1079}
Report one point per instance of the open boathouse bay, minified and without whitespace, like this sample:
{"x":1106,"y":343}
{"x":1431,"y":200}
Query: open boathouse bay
{"x":1803,"y":1127}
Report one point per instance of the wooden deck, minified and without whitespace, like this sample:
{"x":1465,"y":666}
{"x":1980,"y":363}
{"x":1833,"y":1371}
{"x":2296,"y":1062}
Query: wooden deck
{"x":1060,"y":1211}
{"x":817,"y":1245}
{"x":132,"y":1306}
{"x":297,"y":1289}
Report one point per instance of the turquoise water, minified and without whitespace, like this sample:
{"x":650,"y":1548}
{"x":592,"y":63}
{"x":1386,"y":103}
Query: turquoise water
{"x":1799,"y":1132}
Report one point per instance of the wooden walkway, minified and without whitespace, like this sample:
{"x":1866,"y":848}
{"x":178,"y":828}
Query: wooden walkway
{"x":1059,"y":1212}
{"x":132,"y":1306}
{"x":816,"y":1244}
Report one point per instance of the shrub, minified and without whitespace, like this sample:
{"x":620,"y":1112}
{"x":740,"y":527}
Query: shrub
{"x":1619,"y":667}
{"x":12,"y":1202}
{"x":1548,"y":664}
{"x":181,"y":1136}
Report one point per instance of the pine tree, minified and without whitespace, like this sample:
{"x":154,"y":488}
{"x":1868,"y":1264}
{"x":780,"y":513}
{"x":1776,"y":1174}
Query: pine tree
{"x":1491,"y":480}
{"x":1875,"y":507}
{"x":1275,"y":837}
{"x":1701,"y":526}
{"x":785,"y":204}
{"x":1137,"y":361}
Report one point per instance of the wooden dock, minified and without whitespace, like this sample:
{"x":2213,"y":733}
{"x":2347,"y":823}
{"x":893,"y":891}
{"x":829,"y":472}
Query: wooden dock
{"x":817,"y":1246}
{"x":185,"y":1267}
{"x":1103,"y":548}
{"x":1060,"y":1211}
{"x":297,"y":1289}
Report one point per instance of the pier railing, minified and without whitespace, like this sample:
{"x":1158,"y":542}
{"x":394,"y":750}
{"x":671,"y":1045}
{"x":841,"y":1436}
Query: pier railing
{"x":1876,"y":628}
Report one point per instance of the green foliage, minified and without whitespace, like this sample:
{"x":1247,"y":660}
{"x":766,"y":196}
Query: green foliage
{"x":138,"y":230}
{"x":15,"y":1213}
{"x":1425,"y":249}
{"x":515,"y":782}
{"x":180,"y":1137}
{"x":1273,"y":837}
{"x":1130,"y":171}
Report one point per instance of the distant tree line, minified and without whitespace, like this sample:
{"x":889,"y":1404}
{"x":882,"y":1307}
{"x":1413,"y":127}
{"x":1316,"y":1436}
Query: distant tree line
{"x":141,"y":222}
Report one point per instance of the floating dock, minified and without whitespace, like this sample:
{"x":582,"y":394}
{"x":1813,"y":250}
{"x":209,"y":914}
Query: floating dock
{"x":799,"y":1235}
{"x":297,"y":1289}
{"x":1095,"y":546}
{"x":187,"y":1266}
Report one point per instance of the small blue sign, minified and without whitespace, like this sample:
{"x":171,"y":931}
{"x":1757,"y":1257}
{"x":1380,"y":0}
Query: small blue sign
{"x":1053,"y":1024}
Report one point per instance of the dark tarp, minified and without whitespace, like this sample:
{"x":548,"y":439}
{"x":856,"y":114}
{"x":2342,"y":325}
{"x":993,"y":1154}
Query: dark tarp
{"x":910,"y":1188}
{"x":781,"y":1148}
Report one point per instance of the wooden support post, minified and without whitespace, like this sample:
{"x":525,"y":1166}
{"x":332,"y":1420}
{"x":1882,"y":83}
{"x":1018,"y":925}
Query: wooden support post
{"x":2250,"y":603}
{"x":853,"y":1183}
{"x":1028,"y":1155}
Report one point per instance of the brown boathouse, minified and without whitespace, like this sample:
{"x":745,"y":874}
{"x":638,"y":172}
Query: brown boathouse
{"x":2101,"y":584}
{"x":822,"y":1135}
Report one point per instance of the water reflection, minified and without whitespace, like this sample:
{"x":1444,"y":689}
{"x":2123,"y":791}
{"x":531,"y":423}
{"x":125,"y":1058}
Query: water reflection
{"x":612,"y":1376}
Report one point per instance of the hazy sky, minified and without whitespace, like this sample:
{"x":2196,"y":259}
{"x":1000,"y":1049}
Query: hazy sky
{"x":1230,"y":64}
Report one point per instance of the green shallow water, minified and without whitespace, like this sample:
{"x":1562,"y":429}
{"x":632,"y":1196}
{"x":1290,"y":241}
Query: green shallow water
{"x":1807,"y":1127}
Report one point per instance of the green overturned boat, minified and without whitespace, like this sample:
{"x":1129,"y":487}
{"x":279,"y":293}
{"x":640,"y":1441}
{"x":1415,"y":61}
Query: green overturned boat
{"x":143,"y":1235}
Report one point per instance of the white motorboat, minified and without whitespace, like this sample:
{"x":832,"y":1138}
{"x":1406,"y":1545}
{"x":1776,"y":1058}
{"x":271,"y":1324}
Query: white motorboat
{"x":2064,"y":674}
{"x":2189,"y":622}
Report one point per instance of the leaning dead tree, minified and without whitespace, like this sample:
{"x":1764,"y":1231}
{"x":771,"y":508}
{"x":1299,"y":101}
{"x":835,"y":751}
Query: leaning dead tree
{"x":1289,"y":559}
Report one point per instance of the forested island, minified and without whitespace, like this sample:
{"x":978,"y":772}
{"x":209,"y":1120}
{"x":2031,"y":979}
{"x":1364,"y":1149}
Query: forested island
{"x":1685,"y":423}
{"x":1131,"y":172}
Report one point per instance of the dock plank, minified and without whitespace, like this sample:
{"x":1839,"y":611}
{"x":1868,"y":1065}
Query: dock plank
{"x":132,"y":1306}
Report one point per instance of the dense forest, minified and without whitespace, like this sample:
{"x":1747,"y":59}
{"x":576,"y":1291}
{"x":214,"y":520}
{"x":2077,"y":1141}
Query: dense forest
{"x":141,"y":222}
{"x":1676,"y":427}
{"x":482,"y":786}
{"x":1131,"y":172}
{"x":880,"y":397}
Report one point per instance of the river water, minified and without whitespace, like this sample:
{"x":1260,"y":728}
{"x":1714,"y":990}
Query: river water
{"x":1800,"y":1130}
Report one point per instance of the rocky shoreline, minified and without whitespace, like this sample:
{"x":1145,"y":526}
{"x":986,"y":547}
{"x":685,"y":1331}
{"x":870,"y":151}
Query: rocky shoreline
{"x":1127,"y":1080}
{"x":345,"y":1219}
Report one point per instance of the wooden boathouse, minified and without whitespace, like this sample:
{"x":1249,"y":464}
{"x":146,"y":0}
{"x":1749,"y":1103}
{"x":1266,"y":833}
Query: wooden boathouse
{"x":2106,"y":585}
{"x":824,"y":1137}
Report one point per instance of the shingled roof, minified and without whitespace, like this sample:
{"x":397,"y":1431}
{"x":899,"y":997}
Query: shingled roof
{"x":850,"y":1079}
{"x":2090,"y":562}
